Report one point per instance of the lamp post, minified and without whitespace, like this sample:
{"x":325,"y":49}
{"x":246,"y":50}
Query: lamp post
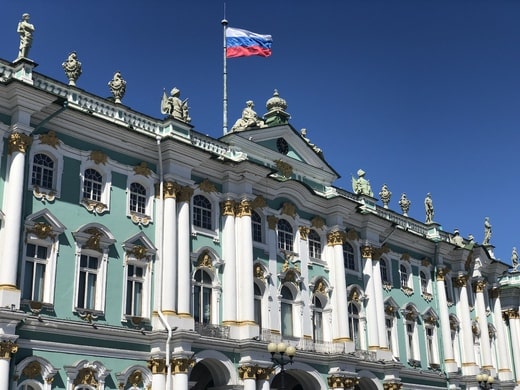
{"x":286,"y":357}
{"x":485,"y":381}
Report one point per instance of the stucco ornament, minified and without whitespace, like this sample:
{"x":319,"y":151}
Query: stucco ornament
{"x":174,"y":107}
{"x":487,"y":231}
{"x":404,"y":203}
{"x":428,"y":207}
{"x":361,"y":186}
{"x":118,"y":87}
{"x":72,"y":68}
{"x":249,"y":118}
{"x":385,"y":195}
{"x":26,"y":30}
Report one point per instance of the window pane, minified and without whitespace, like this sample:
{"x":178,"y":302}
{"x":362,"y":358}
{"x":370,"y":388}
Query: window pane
{"x":287,"y":325}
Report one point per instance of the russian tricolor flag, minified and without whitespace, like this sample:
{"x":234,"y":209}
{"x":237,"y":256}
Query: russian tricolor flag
{"x":243,"y":43}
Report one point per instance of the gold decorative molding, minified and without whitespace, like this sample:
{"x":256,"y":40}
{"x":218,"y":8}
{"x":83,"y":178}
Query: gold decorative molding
{"x":263,"y":373}
{"x":32,"y":370}
{"x":135,"y":379}
{"x":390,"y":310}
{"x":479,"y":286}
{"x":441,"y":273}
{"x":185,"y":194}
{"x":304,"y":232}
{"x":204,"y":260}
{"x":284,"y":168}
{"x":93,"y":242}
{"x":352,"y":235}
{"x":170,"y":189}
{"x":93,"y":205}
{"x":86,"y":376}
{"x":288,"y":209}
{"x":138,"y":251}
{"x":405,"y":257}
{"x":367,"y":252}
{"x":50,"y":139}
{"x":207,"y":186}
{"x":258,"y":203}
{"x":512,"y":314}
{"x":42,"y":230}
{"x":98,"y":157}
{"x":338,"y":381}
{"x":18,"y":142}
{"x":157,"y":366}
{"x":378,"y":252}
{"x":140,"y":219}
{"x":48,"y":195}
{"x":142,"y":169}
{"x":336,"y":237}
{"x":228,"y":208}
{"x":494,"y":292}
{"x":460,"y":281}
{"x":317,"y":222}
{"x":425,"y":262}
{"x":182,"y":365}
{"x":392,"y":386}
{"x":247,"y":372}
{"x":320,"y":287}
{"x":258,"y":271}
{"x":244,"y":208}
{"x":272,"y":221}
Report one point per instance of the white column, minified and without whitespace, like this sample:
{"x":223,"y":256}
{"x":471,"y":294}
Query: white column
{"x":485,"y":348}
{"x":158,"y":368}
{"x":262,"y":384}
{"x":335,"y":240}
{"x":307,"y":326}
{"x":12,"y":207}
{"x":274,"y":307}
{"x":502,"y":345}
{"x":444,"y":318}
{"x":468,"y":357}
{"x":380,"y":305}
{"x":184,"y":255}
{"x":371,"y":309}
{"x":180,"y":381}
{"x":229,"y":250}
{"x":246,"y":292}
{"x":169,"y":292}
{"x":514,"y":329}
{"x":7,"y":348}
{"x":180,"y":369}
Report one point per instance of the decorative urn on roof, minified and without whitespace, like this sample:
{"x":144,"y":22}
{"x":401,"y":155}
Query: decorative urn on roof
{"x":276,"y":114}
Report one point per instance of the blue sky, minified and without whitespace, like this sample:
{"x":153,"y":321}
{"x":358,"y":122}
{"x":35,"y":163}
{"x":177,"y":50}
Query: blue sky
{"x":423,"y":95}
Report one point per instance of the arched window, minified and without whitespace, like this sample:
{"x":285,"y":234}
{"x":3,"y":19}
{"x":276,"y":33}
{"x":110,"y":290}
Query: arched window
{"x":314,"y":245}
{"x":285,"y":235}
{"x":256,"y":226}
{"x":424,"y":282}
{"x":138,"y":198}
{"x":383,"y":267}
{"x":404,"y":276}
{"x":258,"y":304}
{"x":43,"y":171}
{"x":202,"y":212}
{"x":348,"y":257}
{"x":287,"y":311}
{"x":202,"y":297}
{"x":92,"y":185}
{"x":317,"y":319}
{"x":353,"y":315}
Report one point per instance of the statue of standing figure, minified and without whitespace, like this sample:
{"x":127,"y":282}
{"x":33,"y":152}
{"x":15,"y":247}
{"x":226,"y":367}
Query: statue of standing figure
{"x":26,"y":30}
{"x":361,"y":186}
{"x":428,"y":206}
{"x":174,"y":106}
{"x":487,"y":232}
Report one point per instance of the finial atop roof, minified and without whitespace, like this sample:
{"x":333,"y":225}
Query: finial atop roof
{"x":276,"y":107}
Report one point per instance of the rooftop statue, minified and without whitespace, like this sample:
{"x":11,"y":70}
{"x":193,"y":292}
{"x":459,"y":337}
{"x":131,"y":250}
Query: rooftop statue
{"x":457,"y":239}
{"x":361,"y":186}
{"x":72,"y":68}
{"x":385,"y":195}
{"x":249,"y":118}
{"x":514,"y":259}
{"x":428,"y":206}
{"x":303,"y":133}
{"x":405,"y":203}
{"x":487,"y":232}
{"x":26,"y":30}
{"x":117,"y":87}
{"x":174,"y":106}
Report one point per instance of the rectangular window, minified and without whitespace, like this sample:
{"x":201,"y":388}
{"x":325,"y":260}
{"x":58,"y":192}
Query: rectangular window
{"x":287,"y":325}
{"x":34,"y":276}
{"x":134,"y":290}
{"x":88,"y":270}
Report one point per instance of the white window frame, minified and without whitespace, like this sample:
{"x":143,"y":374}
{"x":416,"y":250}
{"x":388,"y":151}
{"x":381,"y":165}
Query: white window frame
{"x":259,"y":226}
{"x":432,"y":349}
{"x":315,"y":245}
{"x":283,"y":244}
{"x":408,"y":284}
{"x":355,"y":259}
{"x":213,"y":232}
{"x":319,"y":312}
{"x":212,"y":302}
{"x":103,"y":204}
{"x":292,"y":303}
{"x":412,"y":340}
{"x":137,"y":217}
{"x":57,"y":157}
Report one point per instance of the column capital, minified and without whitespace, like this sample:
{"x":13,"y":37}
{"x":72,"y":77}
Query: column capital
{"x":341,"y":381}
{"x":272,"y":221}
{"x":304,"y":232}
{"x":263,"y":373}
{"x":479,"y":286}
{"x":512,"y":314}
{"x":18,"y":142}
{"x":182,"y":365}
{"x":170,"y":189}
{"x":157,"y":365}
{"x":247,"y":372}
{"x":185,"y":194}
{"x":460,"y":280}
{"x":367,"y":252}
{"x":337,"y":237}
{"x":228,"y":207}
{"x":7,"y":347}
{"x":392,"y":386}
{"x":244,"y":208}
{"x":441,"y":273}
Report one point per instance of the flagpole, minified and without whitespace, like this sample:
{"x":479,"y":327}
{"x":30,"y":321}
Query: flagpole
{"x":225,"y":99}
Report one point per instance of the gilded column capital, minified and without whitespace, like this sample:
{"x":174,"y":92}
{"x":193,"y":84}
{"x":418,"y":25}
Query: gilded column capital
{"x":7,"y":347}
{"x":392,"y":386}
{"x":479,"y":286}
{"x":182,"y":365}
{"x":335,"y":381}
{"x":272,"y":221}
{"x":512,"y":314}
{"x":494,"y":292}
{"x":157,"y":365}
{"x":247,"y":372}
{"x":350,"y":381}
{"x":18,"y":142}
{"x":378,"y":252}
{"x":263,"y":373}
{"x":441,"y":273}
{"x":228,"y":207}
{"x":185,"y":194}
{"x":460,"y":281}
{"x":170,"y":189}
{"x":244,"y":208}
{"x":336,"y":237}
{"x":304,"y":232}
{"x":367,"y":252}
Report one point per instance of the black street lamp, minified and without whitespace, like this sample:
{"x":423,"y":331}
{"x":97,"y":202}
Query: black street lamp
{"x":283,"y":350}
{"x":485,"y":381}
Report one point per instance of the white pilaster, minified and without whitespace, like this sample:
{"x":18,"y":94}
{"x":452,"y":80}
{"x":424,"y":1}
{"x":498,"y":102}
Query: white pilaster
{"x":274,"y":307}
{"x":469,"y":366}
{"x":340,"y":317}
{"x":514,"y":329}
{"x":483,"y":324}
{"x":444,"y":318}
{"x":169,"y":291}
{"x":229,"y":250}
{"x":379,"y":305}
{"x":502,"y":345}
{"x":371,"y":308}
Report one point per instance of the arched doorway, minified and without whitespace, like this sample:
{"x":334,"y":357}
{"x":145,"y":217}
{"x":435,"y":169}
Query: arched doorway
{"x":292,"y":379}
{"x":207,"y":374}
